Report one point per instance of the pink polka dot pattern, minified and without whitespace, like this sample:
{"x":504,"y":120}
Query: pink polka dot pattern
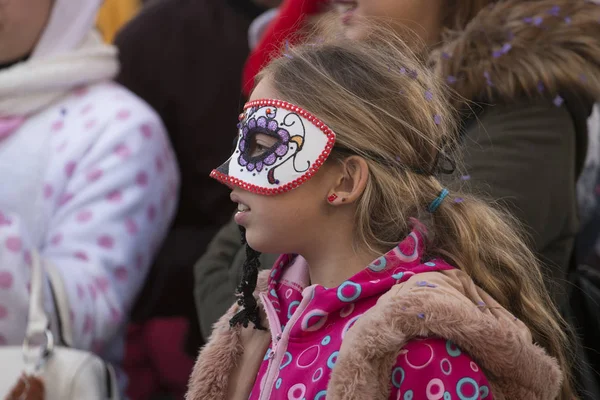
{"x":94,"y":175}
{"x":114,"y":196}
{"x":70,"y":168}
{"x":100,"y":217}
{"x":141,"y":178}
{"x":6,"y":280}
{"x":106,"y":241}
{"x":48,"y":191}
{"x":13,"y":244}
{"x":84,"y":216}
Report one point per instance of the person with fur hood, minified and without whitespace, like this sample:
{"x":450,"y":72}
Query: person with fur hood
{"x":526,"y":75}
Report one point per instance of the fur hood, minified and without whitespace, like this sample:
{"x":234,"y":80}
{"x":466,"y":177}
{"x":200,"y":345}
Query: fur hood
{"x":515,"y":48}
{"x":455,"y":309}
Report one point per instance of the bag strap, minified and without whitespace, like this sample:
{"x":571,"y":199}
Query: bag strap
{"x":38,"y":322}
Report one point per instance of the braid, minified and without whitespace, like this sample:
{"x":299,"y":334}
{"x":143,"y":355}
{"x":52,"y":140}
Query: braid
{"x":245,"y":291}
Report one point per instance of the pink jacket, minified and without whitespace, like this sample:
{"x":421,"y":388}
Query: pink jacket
{"x":402,"y":328}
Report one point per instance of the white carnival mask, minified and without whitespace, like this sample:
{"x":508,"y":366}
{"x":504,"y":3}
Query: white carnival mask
{"x":299,"y":144}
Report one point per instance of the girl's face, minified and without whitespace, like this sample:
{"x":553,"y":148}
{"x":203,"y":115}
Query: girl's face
{"x":289,"y":222}
{"x":21,"y":25}
{"x":422,"y":16}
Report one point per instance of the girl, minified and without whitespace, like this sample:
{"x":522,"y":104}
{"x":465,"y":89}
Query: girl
{"x":88,"y":177}
{"x":392,"y":286}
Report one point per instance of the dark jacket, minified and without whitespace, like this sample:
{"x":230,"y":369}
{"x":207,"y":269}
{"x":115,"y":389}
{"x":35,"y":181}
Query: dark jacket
{"x":185,"y":57}
{"x":524,"y":147}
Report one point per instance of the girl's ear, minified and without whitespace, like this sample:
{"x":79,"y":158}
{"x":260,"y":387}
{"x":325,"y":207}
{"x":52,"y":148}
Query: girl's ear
{"x":352,"y":181}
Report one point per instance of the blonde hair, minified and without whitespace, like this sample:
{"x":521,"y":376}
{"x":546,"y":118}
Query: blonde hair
{"x":384,"y":106}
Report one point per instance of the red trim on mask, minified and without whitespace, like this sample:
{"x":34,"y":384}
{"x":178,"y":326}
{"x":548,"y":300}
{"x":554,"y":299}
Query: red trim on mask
{"x":232,"y":181}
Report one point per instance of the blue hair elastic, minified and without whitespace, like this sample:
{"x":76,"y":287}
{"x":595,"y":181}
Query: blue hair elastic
{"x":438,"y":200}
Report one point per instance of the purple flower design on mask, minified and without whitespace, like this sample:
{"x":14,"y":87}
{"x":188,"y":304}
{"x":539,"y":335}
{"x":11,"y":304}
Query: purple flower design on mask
{"x":267,"y":126}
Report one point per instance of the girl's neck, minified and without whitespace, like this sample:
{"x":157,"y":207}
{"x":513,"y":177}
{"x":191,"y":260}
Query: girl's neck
{"x":332,"y":263}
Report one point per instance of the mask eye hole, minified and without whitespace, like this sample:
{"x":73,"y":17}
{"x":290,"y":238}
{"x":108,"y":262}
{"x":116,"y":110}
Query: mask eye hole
{"x":260,"y":144}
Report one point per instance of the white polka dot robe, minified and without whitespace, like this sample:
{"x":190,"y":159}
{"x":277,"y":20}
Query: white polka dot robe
{"x":91,"y":184}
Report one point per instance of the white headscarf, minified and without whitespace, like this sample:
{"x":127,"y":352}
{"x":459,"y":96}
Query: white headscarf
{"x":70,"y":53}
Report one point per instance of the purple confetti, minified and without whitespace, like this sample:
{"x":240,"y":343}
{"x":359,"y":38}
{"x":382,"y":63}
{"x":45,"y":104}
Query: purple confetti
{"x":488,"y":80}
{"x":541,"y":87}
{"x":528,"y":20}
{"x":465,"y":177}
{"x":459,"y":200}
{"x":537,"y":21}
{"x":496,"y":53}
{"x":413,"y":74}
{"x":558,"y":101}
{"x":421,"y":315}
{"x":428,"y":95}
{"x":555,"y":11}
{"x":402,"y":70}
{"x":437,"y":119}
{"x":568,"y":20}
{"x":287,"y":48}
{"x":481,"y":303}
{"x":398,"y":159}
{"x":452,"y":79}
{"x":506,"y":48}
{"x":446,"y":56}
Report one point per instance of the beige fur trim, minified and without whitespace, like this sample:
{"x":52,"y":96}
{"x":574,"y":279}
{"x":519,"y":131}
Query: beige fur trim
{"x":562,"y":54}
{"x":223,"y":357}
{"x":516,"y":368}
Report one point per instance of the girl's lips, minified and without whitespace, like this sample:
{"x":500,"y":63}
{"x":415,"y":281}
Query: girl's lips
{"x":241,"y":217}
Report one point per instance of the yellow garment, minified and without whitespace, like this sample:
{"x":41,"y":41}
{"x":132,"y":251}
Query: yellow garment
{"x":114,"y":14}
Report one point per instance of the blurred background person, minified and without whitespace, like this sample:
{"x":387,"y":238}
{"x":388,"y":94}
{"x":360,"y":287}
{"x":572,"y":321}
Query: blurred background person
{"x":185,"y":58}
{"x":89,"y":178}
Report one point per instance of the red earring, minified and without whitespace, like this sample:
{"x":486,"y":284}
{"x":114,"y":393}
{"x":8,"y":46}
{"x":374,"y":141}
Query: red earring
{"x":332,"y":198}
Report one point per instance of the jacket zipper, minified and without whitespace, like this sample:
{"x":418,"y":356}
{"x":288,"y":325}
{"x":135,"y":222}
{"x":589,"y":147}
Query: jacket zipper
{"x":280,"y":339}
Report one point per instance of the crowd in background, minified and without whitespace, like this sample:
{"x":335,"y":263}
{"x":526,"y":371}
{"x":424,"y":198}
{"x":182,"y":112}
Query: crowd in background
{"x":122,"y":205}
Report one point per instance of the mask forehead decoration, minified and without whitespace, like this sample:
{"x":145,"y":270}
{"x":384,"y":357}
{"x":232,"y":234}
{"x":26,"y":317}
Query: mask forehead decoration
{"x":279,"y":147}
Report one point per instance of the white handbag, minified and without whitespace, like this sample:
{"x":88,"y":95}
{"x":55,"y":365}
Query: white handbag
{"x":66,"y":373}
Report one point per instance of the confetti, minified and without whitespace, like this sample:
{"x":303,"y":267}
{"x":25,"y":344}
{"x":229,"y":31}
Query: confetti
{"x":446,"y":56}
{"x":568,"y":20}
{"x":488,"y":80}
{"x":452,"y":79}
{"x":459,"y":200}
{"x":465,"y":177}
{"x":505,"y":49}
{"x":402,"y":70}
{"x":287,"y":48}
{"x":421,"y":315}
{"x":540,"y":87}
{"x":528,"y":20}
{"x":537,"y":21}
{"x":428,"y":95}
{"x":555,"y":11}
{"x":558,"y":101}
{"x":480,"y":303}
{"x":437,"y":119}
